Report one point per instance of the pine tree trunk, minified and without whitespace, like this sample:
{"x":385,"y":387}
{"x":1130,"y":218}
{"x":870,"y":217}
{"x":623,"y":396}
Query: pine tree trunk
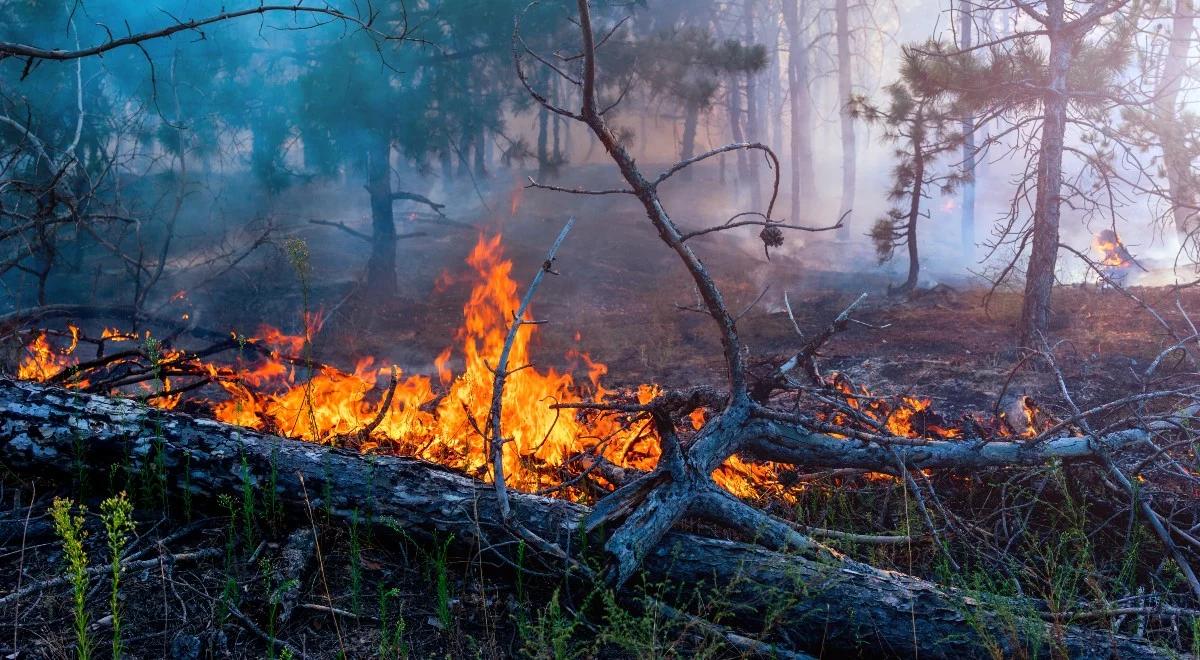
{"x":845,"y":65}
{"x":687,"y":146}
{"x":914,"y":211}
{"x":543,"y":139}
{"x":772,"y":109}
{"x":480,"y":151}
{"x":1043,"y":257}
{"x":800,"y":107}
{"x":753,"y":124}
{"x":968,"y":151}
{"x":381,"y":265}
{"x":1178,"y":165}
{"x":734,"y":110}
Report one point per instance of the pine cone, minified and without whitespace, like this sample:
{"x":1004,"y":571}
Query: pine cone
{"x":771,"y":236}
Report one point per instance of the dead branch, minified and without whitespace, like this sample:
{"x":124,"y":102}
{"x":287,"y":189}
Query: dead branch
{"x":893,"y":613}
{"x":358,"y":234}
{"x":495,"y":432}
{"x":10,"y":49}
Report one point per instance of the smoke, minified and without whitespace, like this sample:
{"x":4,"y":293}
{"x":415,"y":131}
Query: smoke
{"x":221,"y":145}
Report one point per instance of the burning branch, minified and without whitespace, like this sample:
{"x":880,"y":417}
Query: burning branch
{"x":494,"y":427}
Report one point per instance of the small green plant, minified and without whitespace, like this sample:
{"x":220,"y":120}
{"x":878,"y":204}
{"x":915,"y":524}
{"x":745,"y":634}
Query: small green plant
{"x":187,"y":486}
{"x":79,"y":463}
{"x":248,"y":515}
{"x":69,"y":528}
{"x":117,"y":514}
{"x":153,"y":350}
{"x":441,"y":578}
{"x":300,"y":258}
{"x":274,"y":599}
{"x":1196,"y":636}
{"x":229,"y":591}
{"x":549,"y":634}
{"x":391,"y":625}
{"x":274,"y":508}
{"x":355,"y":564}
{"x":521,"y":571}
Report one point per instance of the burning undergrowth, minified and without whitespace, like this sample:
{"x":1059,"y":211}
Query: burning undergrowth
{"x":269,"y":382}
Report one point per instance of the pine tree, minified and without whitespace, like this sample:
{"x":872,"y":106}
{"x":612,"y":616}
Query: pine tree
{"x":921,"y":119}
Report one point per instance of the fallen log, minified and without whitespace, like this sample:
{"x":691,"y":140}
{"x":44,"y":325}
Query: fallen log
{"x":827,"y":608}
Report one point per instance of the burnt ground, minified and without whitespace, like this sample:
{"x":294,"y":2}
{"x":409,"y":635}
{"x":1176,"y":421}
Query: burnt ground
{"x":621,"y":290}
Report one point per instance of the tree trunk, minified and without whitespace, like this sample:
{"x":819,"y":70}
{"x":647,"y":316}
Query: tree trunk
{"x":447,"y":162}
{"x":381,"y":265}
{"x":845,"y":64}
{"x":1180,"y":176}
{"x":543,"y":142}
{"x":1039,"y":277}
{"x":753,"y":123}
{"x":965,"y":39}
{"x":837,"y":609}
{"x":480,"y":151}
{"x":687,"y":146}
{"x":914,"y":209}
{"x":772,"y":107}
{"x":800,"y":106}
{"x":734,"y":110}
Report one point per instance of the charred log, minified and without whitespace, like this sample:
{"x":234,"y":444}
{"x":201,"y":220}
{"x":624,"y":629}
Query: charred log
{"x":837,"y":607}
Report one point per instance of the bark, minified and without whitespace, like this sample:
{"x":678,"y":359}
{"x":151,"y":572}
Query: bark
{"x":844,"y":89}
{"x":381,"y":265}
{"x":1039,"y":277}
{"x":480,"y":152}
{"x":914,"y":208}
{"x":687,"y":147}
{"x":772,"y":108}
{"x":753,"y":120}
{"x":836,"y":609}
{"x":1170,"y":130}
{"x":785,"y":443}
{"x":800,"y":105}
{"x":543,"y":143}
{"x":734,"y":110}
{"x":965,"y":37}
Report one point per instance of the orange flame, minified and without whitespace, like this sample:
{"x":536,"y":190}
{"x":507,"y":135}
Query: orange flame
{"x":272,"y":392}
{"x":1109,"y":244}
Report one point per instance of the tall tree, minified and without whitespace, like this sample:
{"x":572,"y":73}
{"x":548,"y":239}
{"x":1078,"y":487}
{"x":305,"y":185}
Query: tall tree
{"x":845,"y":64}
{"x":966,"y":25}
{"x":918,"y":117}
{"x":1170,"y":122}
{"x":1075,"y":72}
{"x":441,"y":98}
{"x":802,"y":175}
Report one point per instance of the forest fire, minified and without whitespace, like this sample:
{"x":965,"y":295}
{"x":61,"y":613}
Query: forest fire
{"x":269,"y":390}
{"x":378,"y":409}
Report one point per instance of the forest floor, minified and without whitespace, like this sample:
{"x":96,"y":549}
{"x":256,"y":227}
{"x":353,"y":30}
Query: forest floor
{"x":618,"y":299}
